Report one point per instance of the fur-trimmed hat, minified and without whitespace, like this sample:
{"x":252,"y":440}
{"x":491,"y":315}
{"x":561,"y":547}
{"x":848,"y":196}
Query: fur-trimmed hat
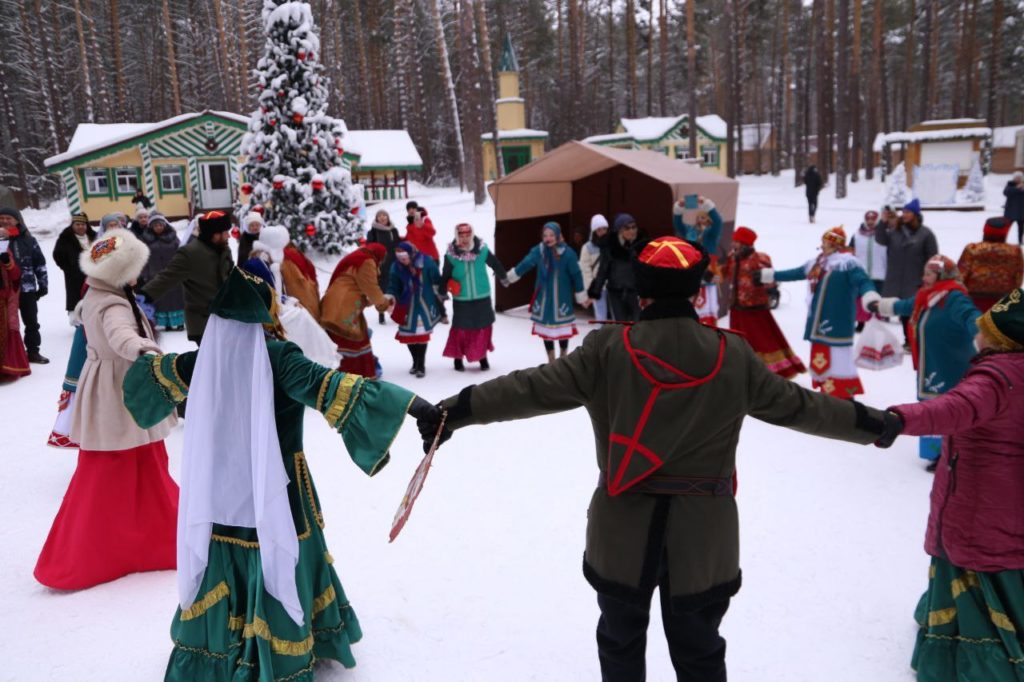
{"x":213,"y":223}
{"x":273,"y":239}
{"x":744,"y":235}
{"x":116,"y":258}
{"x":253,"y":217}
{"x":996,"y":229}
{"x":835,"y":236}
{"x":669,"y":267}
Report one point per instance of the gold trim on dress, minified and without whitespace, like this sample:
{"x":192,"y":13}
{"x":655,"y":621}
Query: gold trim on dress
{"x":1001,"y":620}
{"x":174,"y":370}
{"x":198,"y":608}
{"x":236,"y":622}
{"x":323,"y":389}
{"x":284,"y":647}
{"x":162,"y":379}
{"x":967,"y":580}
{"x":941,"y":617}
{"x":341,"y":400}
{"x":248,"y":544}
{"x":300,"y":461}
{"x":328,"y":596}
{"x":328,"y":558}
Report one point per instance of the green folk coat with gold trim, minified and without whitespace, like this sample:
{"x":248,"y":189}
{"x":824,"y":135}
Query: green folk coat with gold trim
{"x":694,"y":430}
{"x":234,"y":623}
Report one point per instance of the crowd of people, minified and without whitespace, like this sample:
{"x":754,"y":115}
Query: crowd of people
{"x":656,"y":382}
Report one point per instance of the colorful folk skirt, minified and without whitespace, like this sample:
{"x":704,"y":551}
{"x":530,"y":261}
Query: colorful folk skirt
{"x":833,"y":371}
{"x":706,"y":304}
{"x":60,"y":436}
{"x":555,"y":332}
{"x":767,"y":340}
{"x":171,"y":319}
{"x":236,"y":631}
{"x":119,"y":516}
{"x":471,"y":344}
{"x":970,"y":624}
{"x":14,"y":358}
{"x":356,"y":355}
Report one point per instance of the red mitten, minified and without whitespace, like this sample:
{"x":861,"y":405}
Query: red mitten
{"x":454,"y":287}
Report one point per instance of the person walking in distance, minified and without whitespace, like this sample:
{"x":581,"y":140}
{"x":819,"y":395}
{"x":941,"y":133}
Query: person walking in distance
{"x":812,"y":188}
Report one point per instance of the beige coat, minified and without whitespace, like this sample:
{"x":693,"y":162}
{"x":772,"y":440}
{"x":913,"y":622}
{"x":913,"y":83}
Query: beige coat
{"x":346,"y":297}
{"x":100,"y":420}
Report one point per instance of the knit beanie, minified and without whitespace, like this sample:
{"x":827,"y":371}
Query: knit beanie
{"x":744,"y":235}
{"x":598,"y":221}
{"x":621,"y":221}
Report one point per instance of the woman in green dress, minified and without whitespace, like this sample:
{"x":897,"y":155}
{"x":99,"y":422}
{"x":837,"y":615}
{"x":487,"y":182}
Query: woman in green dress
{"x":259,"y":597}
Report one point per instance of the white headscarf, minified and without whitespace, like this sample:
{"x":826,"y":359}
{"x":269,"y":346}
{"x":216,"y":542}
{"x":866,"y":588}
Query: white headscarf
{"x":232,"y":471}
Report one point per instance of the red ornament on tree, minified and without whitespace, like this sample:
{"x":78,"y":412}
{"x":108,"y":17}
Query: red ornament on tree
{"x":246,"y":188}
{"x":257,"y":209}
{"x":280,"y":93}
{"x":354,"y":210}
{"x":317,"y":184}
{"x":297,"y":117}
{"x":278,"y":184}
{"x":235,"y":233}
{"x":310,"y":230}
{"x":272,"y":122}
{"x":259,"y":157}
{"x":301,"y":55}
{"x":340,"y":151}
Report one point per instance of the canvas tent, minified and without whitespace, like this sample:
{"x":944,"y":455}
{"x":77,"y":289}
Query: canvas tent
{"x":577,"y":180}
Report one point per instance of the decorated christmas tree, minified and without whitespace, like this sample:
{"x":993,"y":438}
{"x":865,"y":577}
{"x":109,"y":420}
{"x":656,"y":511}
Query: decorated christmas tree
{"x":293,"y":147}
{"x":897,"y":193}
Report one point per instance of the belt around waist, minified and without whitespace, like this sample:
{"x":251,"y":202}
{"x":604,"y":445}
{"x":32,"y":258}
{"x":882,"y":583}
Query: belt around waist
{"x":666,"y":484}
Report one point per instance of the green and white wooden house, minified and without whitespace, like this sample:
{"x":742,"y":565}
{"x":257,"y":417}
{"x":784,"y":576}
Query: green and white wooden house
{"x":671,"y":136}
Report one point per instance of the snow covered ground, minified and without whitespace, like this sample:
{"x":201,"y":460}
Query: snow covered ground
{"x":485,"y":582}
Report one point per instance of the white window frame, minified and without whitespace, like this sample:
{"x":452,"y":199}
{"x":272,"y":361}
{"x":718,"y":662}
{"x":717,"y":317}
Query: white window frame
{"x":709,"y":155}
{"x":172,"y":172}
{"x":91,"y":177}
{"x":122,"y":173}
{"x":682,"y":152}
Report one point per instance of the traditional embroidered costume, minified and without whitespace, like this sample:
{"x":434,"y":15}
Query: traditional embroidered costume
{"x":60,"y":436}
{"x":559,"y":283}
{"x":836,"y":279}
{"x":259,"y":596}
{"x":465,"y":276}
{"x":414,"y":285}
{"x":13,"y":356}
{"x":749,"y":310}
{"x":990,"y":269}
{"x":942,"y":327}
{"x":119,"y":511}
{"x":707,"y":231}
{"x":354,"y":286}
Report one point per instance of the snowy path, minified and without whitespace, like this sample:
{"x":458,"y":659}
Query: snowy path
{"x":485,"y":582}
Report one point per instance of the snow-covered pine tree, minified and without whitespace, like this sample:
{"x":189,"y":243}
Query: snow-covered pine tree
{"x":293,"y":147}
{"x":974,"y":190}
{"x":897,"y":193}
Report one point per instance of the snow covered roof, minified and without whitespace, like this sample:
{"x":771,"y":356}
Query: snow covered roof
{"x":517,"y":134}
{"x":1005,"y":136}
{"x":609,"y":138}
{"x":714,"y":125}
{"x":937,"y":135}
{"x":650,"y":128}
{"x":879,"y":144}
{"x":751,"y":131}
{"x":391,"y":149}
{"x":93,"y":137}
{"x":953,"y":122}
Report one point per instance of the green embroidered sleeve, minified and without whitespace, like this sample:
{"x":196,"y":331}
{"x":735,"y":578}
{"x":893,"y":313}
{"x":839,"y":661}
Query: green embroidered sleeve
{"x":155,"y":384}
{"x":367,"y":414}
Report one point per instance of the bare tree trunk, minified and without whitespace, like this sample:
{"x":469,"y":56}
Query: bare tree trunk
{"x":855,"y":99}
{"x":59,"y":69}
{"x":927,"y":37}
{"x":784,"y":134}
{"x":560,"y":38}
{"x":691,"y":76}
{"x":120,"y":107}
{"x":842,"y":85}
{"x":470,"y":77}
{"x":732,"y":76}
{"x":230,"y":92}
{"x":32,"y":32}
{"x":663,"y":52}
{"x":972,"y":91}
{"x":172,"y":60}
{"x":739,"y":73}
{"x":17,"y":145}
{"x":818,"y":18}
{"x":908,"y":71}
{"x":101,"y":104}
{"x":632,"y":106}
{"x":449,"y":85}
{"x":993,"y":62}
{"x":245,"y":92}
{"x":363,"y":80}
{"x":489,"y":76}
{"x":875,"y":100}
{"x":650,"y":57}
{"x":611,"y":63}
{"x":87,"y":102}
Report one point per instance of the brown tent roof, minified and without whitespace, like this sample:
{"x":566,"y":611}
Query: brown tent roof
{"x":544,"y":187}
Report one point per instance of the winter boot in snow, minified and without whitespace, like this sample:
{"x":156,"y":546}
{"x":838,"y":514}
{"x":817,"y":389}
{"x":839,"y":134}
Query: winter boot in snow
{"x":484,"y":364}
{"x":380,"y":319}
{"x":459,"y":367}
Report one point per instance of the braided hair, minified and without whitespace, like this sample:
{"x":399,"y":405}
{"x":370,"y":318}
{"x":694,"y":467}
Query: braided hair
{"x":136,"y":311}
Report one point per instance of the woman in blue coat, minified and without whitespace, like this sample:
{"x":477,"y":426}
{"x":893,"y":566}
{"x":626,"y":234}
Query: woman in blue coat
{"x":559,"y":284}
{"x":412,"y":286}
{"x":836,"y":280}
{"x":942,"y":328}
{"x":706,"y":231}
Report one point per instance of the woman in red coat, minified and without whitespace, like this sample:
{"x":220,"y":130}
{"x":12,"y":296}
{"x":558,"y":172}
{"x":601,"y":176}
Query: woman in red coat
{"x":13,"y":357}
{"x":971,"y":616}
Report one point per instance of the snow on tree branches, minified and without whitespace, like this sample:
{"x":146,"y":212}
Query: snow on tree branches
{"x":294,"y":148}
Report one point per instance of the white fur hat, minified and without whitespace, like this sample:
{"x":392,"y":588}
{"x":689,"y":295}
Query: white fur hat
{"x":116,"y":258}
{"x":273,"y":239}
{"x":250,"y":218}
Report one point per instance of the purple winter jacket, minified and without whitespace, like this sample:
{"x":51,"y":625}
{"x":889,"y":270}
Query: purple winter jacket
{"x":977,"y":501}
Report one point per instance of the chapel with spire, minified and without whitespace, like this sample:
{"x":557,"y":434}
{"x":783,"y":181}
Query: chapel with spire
{"x":519,"y":145}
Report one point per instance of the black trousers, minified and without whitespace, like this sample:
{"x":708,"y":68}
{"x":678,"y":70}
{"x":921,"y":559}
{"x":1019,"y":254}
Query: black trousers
{"x":418,"y":351}
{"x":696,"y":648}
{"x":28,"y":305}
{"x":1020,"y":231}
{"x":812,"y":204}
{"x":624,"y":306}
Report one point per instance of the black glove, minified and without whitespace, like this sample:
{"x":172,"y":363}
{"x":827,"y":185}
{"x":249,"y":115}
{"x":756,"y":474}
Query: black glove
{"x":872,"y":306}
{"x":893,"y":426}
{"x":428,"y":420}
{"x":42,"y":292}
{"x":593,"y":292}
{"x":5,"y":258}
{"x":707,"y":276}
{"x":409,"y":220}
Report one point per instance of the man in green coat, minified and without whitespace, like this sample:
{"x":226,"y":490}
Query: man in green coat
{"x":667,"y":397}
{"x":201,"y":267}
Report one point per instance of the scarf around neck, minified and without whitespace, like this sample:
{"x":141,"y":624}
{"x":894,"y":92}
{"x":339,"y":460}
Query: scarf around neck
{"x":929,"y":297}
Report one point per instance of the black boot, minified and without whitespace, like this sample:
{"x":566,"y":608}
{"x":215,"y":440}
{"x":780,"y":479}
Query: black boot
{"x":421,"y":360}
{"x":484,"y":365}
{"x":36,"y":358}
{"x":415,"y":362}
{"x":380,"y":319}
{"x":459,"y":367}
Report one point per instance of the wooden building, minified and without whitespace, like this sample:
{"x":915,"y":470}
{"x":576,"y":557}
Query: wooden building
{"x":961,"y":142}
{"x":381,"y":161}
{"x":671,"y":136}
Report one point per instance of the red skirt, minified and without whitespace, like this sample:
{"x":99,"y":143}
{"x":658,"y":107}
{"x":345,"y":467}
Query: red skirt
{"x":119,"y":516}
{"x":765,"y":337}
{"x":472,"y":344}
{"x":356,"y":356}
